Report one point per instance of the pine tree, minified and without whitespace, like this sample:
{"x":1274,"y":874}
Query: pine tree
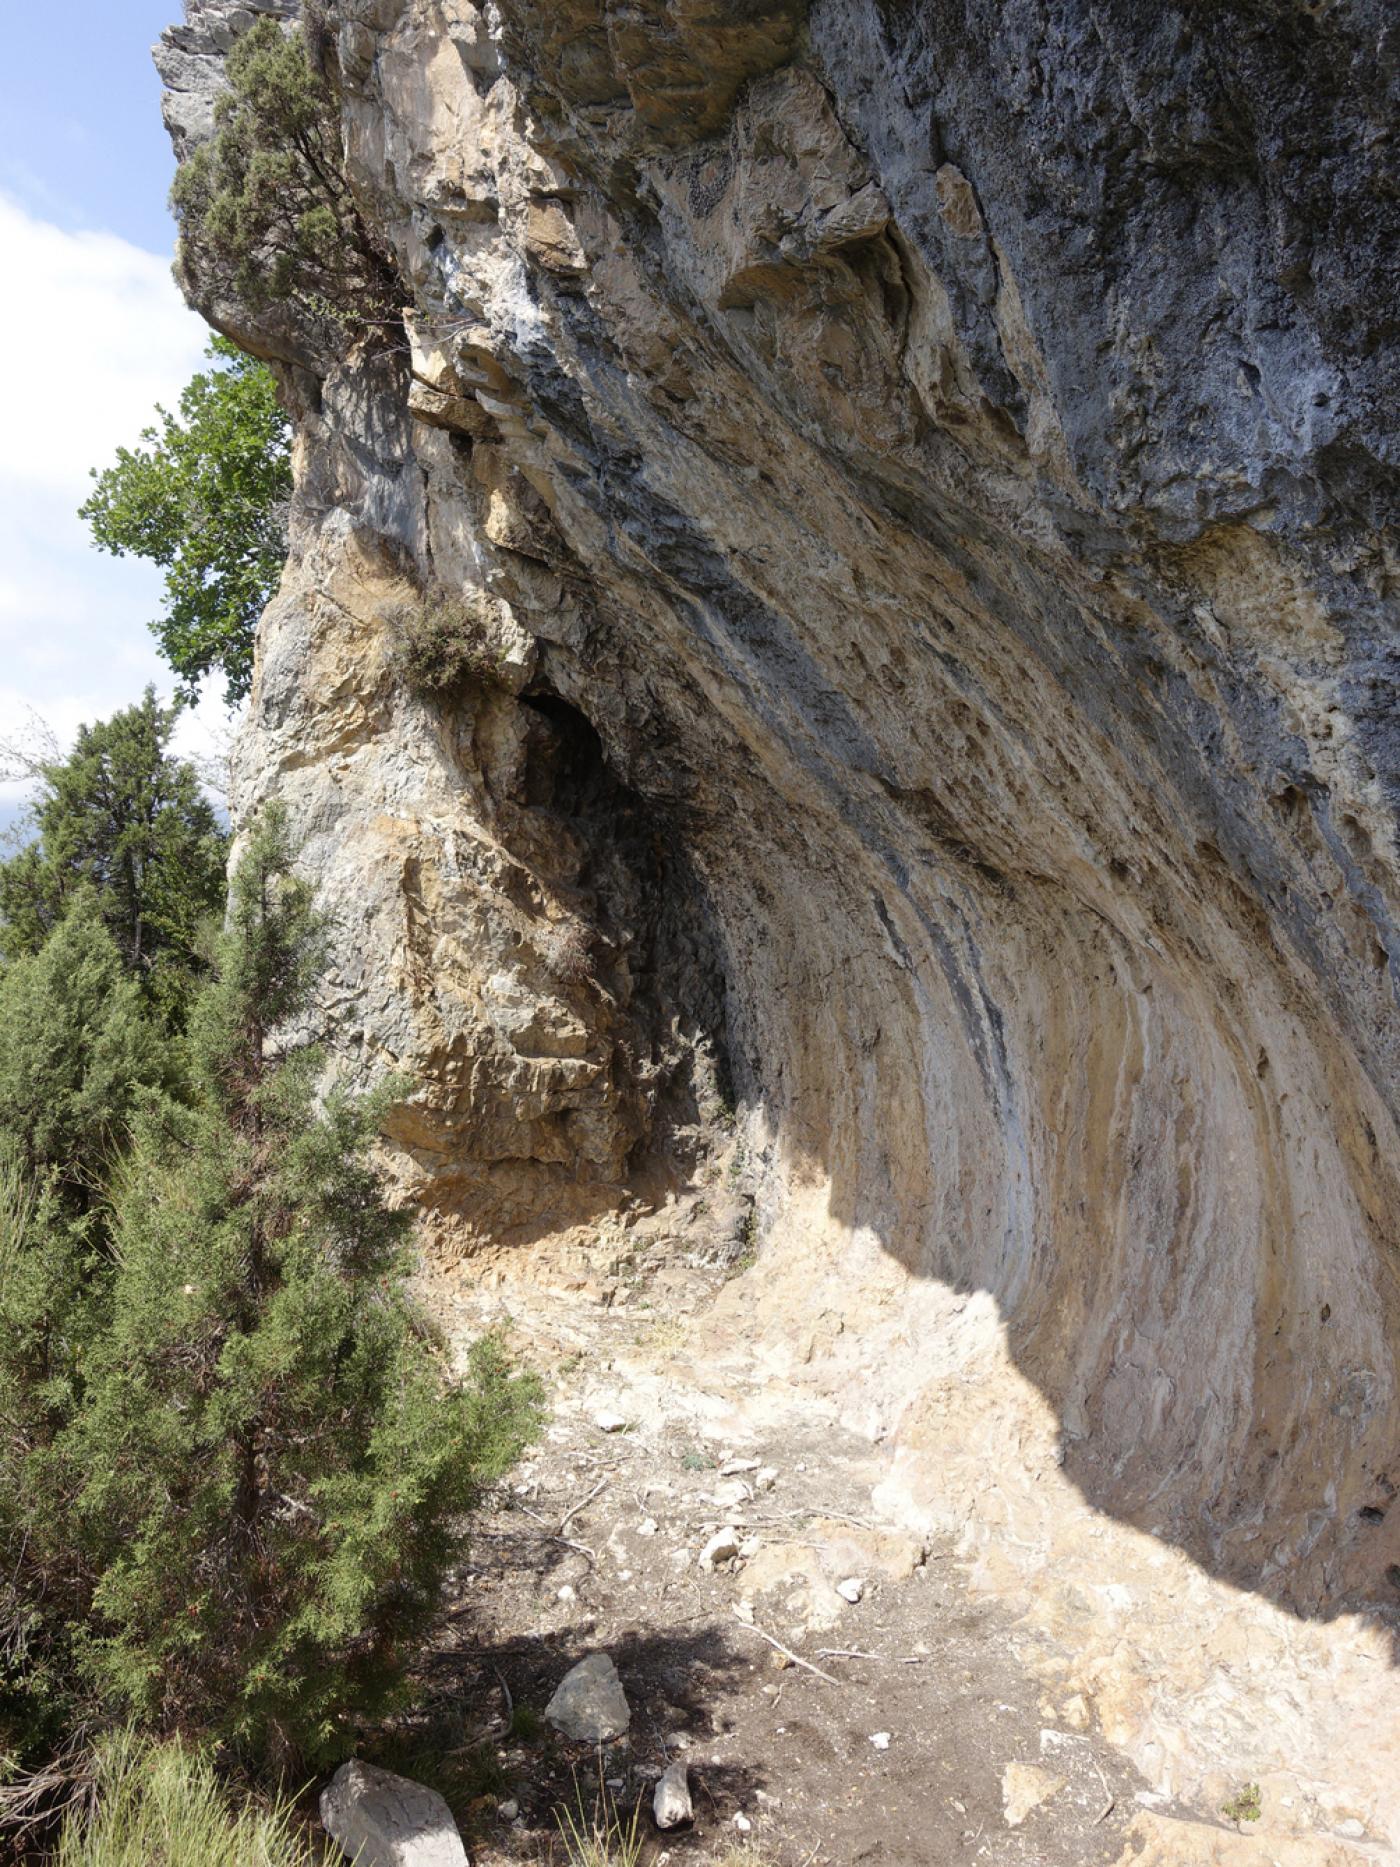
{"x":275,"y":1462}
{"x":76,"y":1051}
{"x":122,"y":816}
{"x":76,"y":1046}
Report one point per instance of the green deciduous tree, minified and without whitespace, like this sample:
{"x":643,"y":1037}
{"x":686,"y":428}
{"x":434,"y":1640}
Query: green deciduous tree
{"x":123,"y":818}
{"x":274,"y":1461}
{"x":266,"y":213}
{"x":205,"y":497}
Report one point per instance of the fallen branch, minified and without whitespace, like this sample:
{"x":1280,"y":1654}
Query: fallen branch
{"x":569,"y":1515}
{"x":854,"y":1653}
{"x":536,"y":1536}
{"x":1108,"y":1806}
{"x":788,"y":1654}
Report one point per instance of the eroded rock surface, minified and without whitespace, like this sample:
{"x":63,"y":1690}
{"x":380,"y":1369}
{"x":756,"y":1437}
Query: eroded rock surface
{"x":919,"y":478}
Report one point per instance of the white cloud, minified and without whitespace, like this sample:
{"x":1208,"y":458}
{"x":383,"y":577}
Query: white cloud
{"x":93,"y":334}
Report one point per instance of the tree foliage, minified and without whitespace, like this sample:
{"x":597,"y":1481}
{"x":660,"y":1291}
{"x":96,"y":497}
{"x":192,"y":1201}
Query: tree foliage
{"x":76,"y":1051}
{"x":75,"y":1048}
{"x":123,"y":818}
{"x":265,"y":211}
{"x":273,"y":1462}
{"x":205,"y":496}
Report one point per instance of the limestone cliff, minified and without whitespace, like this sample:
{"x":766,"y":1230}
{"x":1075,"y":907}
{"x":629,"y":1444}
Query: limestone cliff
{"x":919,"y":474}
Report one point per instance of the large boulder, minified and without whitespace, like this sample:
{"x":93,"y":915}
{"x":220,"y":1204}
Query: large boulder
{"x":383,"y":1820}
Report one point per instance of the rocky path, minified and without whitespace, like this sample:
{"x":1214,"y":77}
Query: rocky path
{"x":836,"y":1692}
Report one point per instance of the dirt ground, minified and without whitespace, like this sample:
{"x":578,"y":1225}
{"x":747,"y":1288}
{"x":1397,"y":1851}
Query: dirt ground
{"x":887,"y":1730}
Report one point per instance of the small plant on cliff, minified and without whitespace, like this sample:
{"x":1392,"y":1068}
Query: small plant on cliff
{"x":274,"y":1462}
{"x":1246,"y":1805}
{"x":205,"y":496}
{"x":265,"y":210}
{"x":438,"y":647}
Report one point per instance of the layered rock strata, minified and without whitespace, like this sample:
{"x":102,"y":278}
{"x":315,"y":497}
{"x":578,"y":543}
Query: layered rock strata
{"x":919,"y":480}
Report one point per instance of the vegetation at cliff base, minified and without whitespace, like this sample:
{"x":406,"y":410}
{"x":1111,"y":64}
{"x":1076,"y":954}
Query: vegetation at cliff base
{"x":205,"y":496}
{"x":266,"y":213}
{"x":233,"y":1469}
{"x":162,"y":1805}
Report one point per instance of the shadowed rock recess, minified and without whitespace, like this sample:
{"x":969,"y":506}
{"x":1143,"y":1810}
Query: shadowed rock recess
{"x":915,"y":478}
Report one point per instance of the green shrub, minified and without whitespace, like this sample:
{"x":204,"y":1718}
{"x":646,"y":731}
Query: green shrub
{"x":161,"y":1805}
{"x":1246,"y":1805}
{"x":265,"y":211}
{"x":437,"y":649}
{"x":274,"y":1465}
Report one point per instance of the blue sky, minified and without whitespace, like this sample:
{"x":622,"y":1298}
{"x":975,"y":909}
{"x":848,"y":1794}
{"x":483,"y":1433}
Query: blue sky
{"x":92,"y":335}
{"x":81,"y":142}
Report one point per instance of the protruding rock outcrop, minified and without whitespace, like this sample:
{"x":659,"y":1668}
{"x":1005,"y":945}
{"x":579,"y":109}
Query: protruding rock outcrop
{"x":919,"y":476}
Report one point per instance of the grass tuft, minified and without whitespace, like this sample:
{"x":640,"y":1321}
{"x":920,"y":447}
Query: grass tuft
{"x":600,"y":1836}
{"x":161,"y":1805}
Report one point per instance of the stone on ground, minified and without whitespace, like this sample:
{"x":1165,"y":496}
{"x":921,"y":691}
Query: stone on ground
{"x":1024,"y":1786}
{"x":590,"y":1704}
{"x":671,"y":1803}
{"x":382,"y":1820}
{"x":723,"y":1546}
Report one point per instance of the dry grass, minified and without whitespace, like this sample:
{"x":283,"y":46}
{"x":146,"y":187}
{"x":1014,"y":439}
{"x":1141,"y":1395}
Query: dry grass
{"x":162,"y":1803}
{"x":600,"y":1836}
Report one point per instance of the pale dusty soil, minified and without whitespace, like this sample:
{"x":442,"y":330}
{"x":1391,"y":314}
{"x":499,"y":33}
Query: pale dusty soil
{"x":944,"y":1674}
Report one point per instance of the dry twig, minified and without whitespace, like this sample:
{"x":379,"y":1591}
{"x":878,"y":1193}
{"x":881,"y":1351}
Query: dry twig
{"x":787,"y":1653}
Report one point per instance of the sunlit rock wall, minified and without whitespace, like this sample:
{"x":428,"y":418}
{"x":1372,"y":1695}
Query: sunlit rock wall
{"x":921,"y":474}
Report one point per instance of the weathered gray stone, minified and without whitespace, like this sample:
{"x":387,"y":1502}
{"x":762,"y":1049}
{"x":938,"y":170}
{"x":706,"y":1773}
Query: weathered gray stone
{"x":382,"y":1820}
{"x":671,"y":1804}
{"x":589,"y":1703}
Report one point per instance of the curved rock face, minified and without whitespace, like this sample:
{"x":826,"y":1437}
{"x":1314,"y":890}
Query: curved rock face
{"x":919,"y":476}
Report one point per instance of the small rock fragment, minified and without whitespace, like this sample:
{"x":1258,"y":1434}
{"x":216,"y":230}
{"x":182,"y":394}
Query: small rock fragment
{"x":508,"y":1810}
{"x":590,"y":1705}
{"x":880,"y":1739}
{"x":723,"y":1546}
{"x":1024,"y":1786}
{"x":750,"y":1547}
{"x":609,"y":1422}
{"x":1075,"y":1713}
{"x":733,"y":1491}
{"x":743,"y":1824}
{"x":765,"y":1478}
{"x":648,"y":1527}
{"x":566,"y":1594}
{"x":671,"y":1804}
{"x":851,"y":1589}
{"x":382,"y":1820}
{"x":735,"y":1468}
